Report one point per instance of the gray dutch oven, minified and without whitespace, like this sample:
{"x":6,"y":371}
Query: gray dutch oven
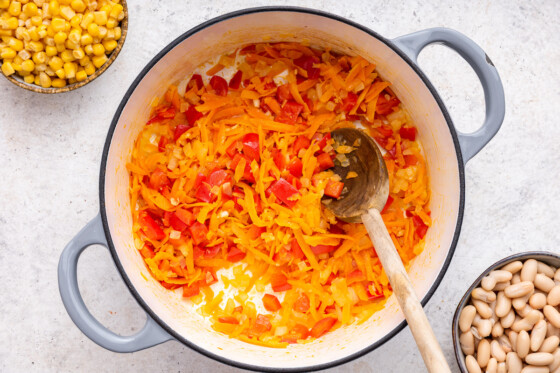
{"x":446,"y":151}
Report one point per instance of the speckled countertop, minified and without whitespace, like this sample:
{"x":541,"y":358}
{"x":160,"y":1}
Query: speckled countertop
{"x":50,"y":149}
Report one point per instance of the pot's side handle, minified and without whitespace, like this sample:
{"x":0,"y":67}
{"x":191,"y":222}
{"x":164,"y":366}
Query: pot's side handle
{"x":92,"y":234}
{"x":471,"y":143}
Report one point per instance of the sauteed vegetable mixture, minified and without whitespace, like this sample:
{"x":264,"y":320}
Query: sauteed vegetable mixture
{"x":227,"y":178}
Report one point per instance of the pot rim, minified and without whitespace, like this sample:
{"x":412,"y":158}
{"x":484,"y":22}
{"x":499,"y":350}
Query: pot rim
{"x":155,"y":60}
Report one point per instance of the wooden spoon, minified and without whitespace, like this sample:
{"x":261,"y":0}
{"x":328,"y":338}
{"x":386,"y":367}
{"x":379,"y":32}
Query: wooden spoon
{"x":363,"y":199}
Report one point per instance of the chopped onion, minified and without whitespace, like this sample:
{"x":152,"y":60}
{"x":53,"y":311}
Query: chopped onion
{"x":175,"y":235}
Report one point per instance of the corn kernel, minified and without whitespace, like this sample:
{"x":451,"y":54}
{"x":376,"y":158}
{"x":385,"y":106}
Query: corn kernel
{"x":41,"y":67}
{"x":71,"y":45}
{"x":10,"y":23}
{"x":98,"y":61}
{"x":16,"y":66}
{"x":44,"y":80}
{"x":78,"y":53}
{"x":110,"y":34}
{"x":50,"y":41}
{"x":36,"y":20}
{"x":60,"y":37}
{"x":93,"y":29}
{"x":100,"y":18}
{"x":118,"y":33}
{"x":102,"y":32}
{"x":72,"y":81}
{"x":89,"y":69}
{"x":84,"y":60}
{"x":30,"y":9}
{"x":28,"y":66}
{"x":58,"y":83}
{"x":81,"y":75}
{"x":15,"y":44}
{"x":105,"y":8}
{"x":33,"y":34}
{"x":116,"y":10}
{"x":111,"y":23}
{"x":42,"y":33}
{"x":7,"y":68}
{"x":50,"y":51}
{"x":109,"y":45}
{"x":120,"y":16}
{"x":88,"y":49}
{"x":24,"y":1}
{"x":4,"y":4}
{"x":8,"y":53}
{"x":65,"y":2}
{"x":78,"y":5}
{"x":58,"y":24}
{"x":29,"y":79}
{"x":5,"y":32}
{"x":67,"y":56}
{"x":86,"y":20}
{"x":92,"y":6}
{"x":86,"y":39}
{"x":24,"y":54}
{"x":76,"y":20}
{"x":54,"y":8}
{"x":67,"y":12}
{"x":50,"y":72}
{"x":98,"y":49}
{"x":69,"y":70}
{"x":60,"y":73}
{"x":74,"y":36}
{"x":35,"y":46}
{"x":15,"y":8}
{"x":60,"y":48}
{"x":56,"y":63}
{"x":40,"y":57}
{"x":36,"y":82}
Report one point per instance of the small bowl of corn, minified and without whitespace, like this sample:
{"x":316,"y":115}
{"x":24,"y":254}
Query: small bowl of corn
{"x":59,"y":45}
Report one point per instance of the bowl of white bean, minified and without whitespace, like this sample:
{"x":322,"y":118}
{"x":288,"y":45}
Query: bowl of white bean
{"x":509,"y":319}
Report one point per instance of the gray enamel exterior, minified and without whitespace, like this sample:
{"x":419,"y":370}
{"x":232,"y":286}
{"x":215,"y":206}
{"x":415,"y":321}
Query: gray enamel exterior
{"x":93,"y":234}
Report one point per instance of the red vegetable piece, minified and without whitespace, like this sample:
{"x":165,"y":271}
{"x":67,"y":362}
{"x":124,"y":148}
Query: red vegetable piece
{"x":279,"y":282}
{"x":325,"y":161}
{"x":228,"y":320}
{"x":177,"y":223}
{"x":147,"y":251}
{"x":247,"y":173}
{"x":349,"y":102}
{"x":322,"y":326}
{"x":198,"y":232}
{"x":166,"y":113}
{"x":421,"y":228}
{"x":385,"y":106}
{"x":251,"y":146}
{"x":408,"y":133}
{"x":410,"y":160}
{"x":219,"y":85}
{"x":376,"y":295}
{"x":151,"y":229}
{"x":197,"y":253}
{"x":163,"y":141}
{"x":322,"y":249}
{"x":192,"y":115}
{"x":306,"y":63}
{"x":283,"y":93}
{"x":302,"y":304}
{"x":296,"y":182}
{"x":323,"y":140}
{"x":190,"y":291}
{"x":159,"y":179}
{"x":200,"y":178}
{"x":299,"y":331}
{"x":295,"y":167}
{"x":385,"y":130}
{"x":218,"y":177}
{"x":235,"y":255}
{"x":233,"y":149}
{"x":285,"y":192}
{"x":355,"y":276}
{"x":271,"y":303}
{"x":211,"y":252}
{"x":279,"y":159}
{"x":387,"y":204}
{"x":204,"y":193}
{"x":262,"y":325}
{"x":334,"y":188}
{"x":290,"y":112}
{"x":235,"y":82}
{"x":196,"y":80}
{"x":179,"y":130}
{"x":296,"y":250}
{"x":302,"y":142}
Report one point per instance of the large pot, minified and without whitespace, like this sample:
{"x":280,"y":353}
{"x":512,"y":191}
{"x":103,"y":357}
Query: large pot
{"x":446,"y":152}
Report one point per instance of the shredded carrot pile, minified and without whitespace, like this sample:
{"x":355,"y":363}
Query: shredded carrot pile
{"x":226,"y":182}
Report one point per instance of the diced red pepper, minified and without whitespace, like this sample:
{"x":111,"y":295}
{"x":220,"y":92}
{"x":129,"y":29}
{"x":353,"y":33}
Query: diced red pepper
{"x":147,"y":251}
{"x":408,"y":133}
{"x":296,"y":182}
{"x":322,"y":326}
{"x":387,"y":204}
{"x":285,"y":192}
{"x":299,"y":331}
{"x":296,"y":250}
{"x":283,"y":93}
{"x":251,"y":146}
{"x":255,"y":232}
{"x":421,"y":228}
{"x":218,"y":177}
{"x":271,"y":303}
{"x":167,"y":113}
{"x":247,"y":173}
{"x":235,"y":81}
{"x":204,"y":193}
{"x":334,"y":188}
{"x":385,"y":130}
{"x":306,"y":63}
{"x":349,"y":102}
{"x":190,"y":291}
{"x":192,"y":115}
{"x":196,"y":80}
{"x":198,"y":232}
{"x":385,"y":106}
{"x":159,"y":179}
{"x":279,"y":159}
{"x":295,"y":167}
{"x":219,"y":85}
{"x":228,"y":320}
{"x":233,"y":149}
{"x":325,"y":161}
{"x":355,"y":276}
{"x":197,"y":253}
{"x":179,"y":130}
{"x":200,"y":178}
{"x":322,"y":140}
{"x":302,"y":304}
{"x":322,"y":249}
{"x":177,"y":223}
{"x":279,"y":282}
{"x":163,"y":141}
{"x":169,"y":286}
{"x":290,"y":112}
{"x":410,"y":160}
{"x":150,"y":227}
{"x":262,"y":325}
{"x":235,"y":255}
{"x":212,"y":251}
{"x":302,"y":142}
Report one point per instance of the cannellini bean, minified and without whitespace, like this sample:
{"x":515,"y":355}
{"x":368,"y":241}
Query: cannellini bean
{"x":553,"y":297}
{"x":492,"y":366}
{"x":466,"y":341}
{"x":476,"y":335}
{"x":539,"y":358}
{"x":519,"y":290}
{"x":501,"y":276}
{"x":552,"y":315}
{"x":527,"y":322}
{"x":477,"y":319}
{"x":550,"y":344}
{"x":466,"y":318}
{"x":502,"y":368}
{"x":502,"y":285}
{"x":482,"y":308}
{"x":538,"y":335}
{"x":483,"y":295}
{"x":472,"y":365}
{"x":556,"y":362}
{"x":534,"y":369}
{"x":484,"y":328}
{"x":498,"y":330}
{"x":519,"y":303}
{"x":507,"y":320}
{"x":505,"y":343}
{"x":552,"y":330}
{"x":538,"y":300}
{"x":545,"y":269}
{"x":488,"y":283}
{"x":483,"y":353}
{"x":497,"y":351}
{"x":514,"y":363}
{"x":525,"y":310}
{"x":513,"y":267}
{"x":503,"y":304}
{"x":523,"y":344}
{"x":529,"y":270}
{"x":516,"y":279}
{"x":513,"y":339}
{"x":557,"y":275}
{"x":543,"y":283}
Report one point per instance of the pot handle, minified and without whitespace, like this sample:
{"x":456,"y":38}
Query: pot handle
{"x":470,"y":143}
{"x":150,"y":335}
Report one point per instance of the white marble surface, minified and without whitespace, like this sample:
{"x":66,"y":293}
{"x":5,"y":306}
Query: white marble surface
{"x":50,"y":149}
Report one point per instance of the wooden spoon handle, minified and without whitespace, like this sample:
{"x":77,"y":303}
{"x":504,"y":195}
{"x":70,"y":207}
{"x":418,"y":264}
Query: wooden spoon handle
{"x":403,"y":290}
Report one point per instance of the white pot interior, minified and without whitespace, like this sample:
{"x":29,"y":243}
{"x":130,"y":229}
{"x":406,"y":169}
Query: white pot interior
{"x":223,"y":37}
